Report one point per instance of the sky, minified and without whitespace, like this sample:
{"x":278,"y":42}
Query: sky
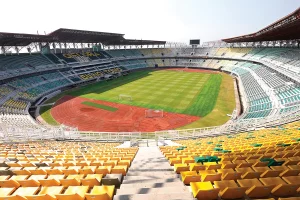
{"x":167,"y":20}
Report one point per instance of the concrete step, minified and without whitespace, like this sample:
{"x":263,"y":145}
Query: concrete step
{"x":153,"y":185}
{"x":150,"y":177}
{"x":169,"y":180}
{"x":151,"y":173}
{"x":154,"y":176}
{"x":155,"y":197}
{"x":164,"y":190}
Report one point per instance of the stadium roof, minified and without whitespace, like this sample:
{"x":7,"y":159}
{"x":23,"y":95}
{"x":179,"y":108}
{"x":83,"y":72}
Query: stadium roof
{"x":72,"y":36}
{"x":20,"y":39}
{"x":287,"y":28}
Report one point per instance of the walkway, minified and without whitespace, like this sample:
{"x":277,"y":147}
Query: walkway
{"x":150,"y":177}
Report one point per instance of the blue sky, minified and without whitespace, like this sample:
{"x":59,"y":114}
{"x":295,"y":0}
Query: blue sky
{"x":170,"y":20}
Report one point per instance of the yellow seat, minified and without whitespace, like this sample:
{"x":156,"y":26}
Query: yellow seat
{"x":54,"y":171}
{"x":212,"y":166}
{"x":69,"y":164}
{"x":229,"y":189}
{"x":3,"y":178}
{"x":229,"y":174}
{"x":29,"y":183}
{"x":260,"y":164}
{"x":21,"y":172}
{"x":279,"y":168}
{"x":110,"y":163}
{"x":196,"y":167}
{"x":73,"y":193}
{"x":13,"y":181}
{"x":71,"y":170}
{"x":294,"y":166}
{"x":72,"y":180}
{"x":180,"y":167}
{"x":279,"y":187}
{"x":96,"y":163}
{"x":204,"y":190}
{"x":92,"y":180}
{"x":267,"y":172}
{"x":291,"y":198}
{"x":14,"y":164}
{"x":290,"y":172}
{"x":188,"y":160}
{"x":119,"y":170}
{"x":9,"y":184}
{"x":103,"y":170}
{"x":210,"y":175}
{"x":248,"y":173}
{"x":124,"y":162}
{"x":28,"y":164}
{"x":87,"y":170}
{"x":190,"y":176}
{"x":295,"y":180}
{"x":174,"y":161}
{"x":228,"y":165}
{"x":4,"y":192}
{"x":104,"y":192}
{"x":22,"y":192}
{"x":38,"y":171}
{"x":52,"y":180}
{"x":47,"y":193}
{"x":254,"y":188}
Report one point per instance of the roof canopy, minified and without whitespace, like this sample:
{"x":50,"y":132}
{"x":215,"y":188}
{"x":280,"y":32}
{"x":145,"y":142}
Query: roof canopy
{"x":63,"y":35}
{"x":287,"y":28}
{"x":20,"y":39}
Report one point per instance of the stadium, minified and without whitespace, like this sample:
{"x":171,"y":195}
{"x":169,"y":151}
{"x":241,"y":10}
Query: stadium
{"x":92,"y":115}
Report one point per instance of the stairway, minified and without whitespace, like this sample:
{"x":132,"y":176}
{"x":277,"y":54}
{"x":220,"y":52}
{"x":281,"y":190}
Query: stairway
{"x":150,"y":177}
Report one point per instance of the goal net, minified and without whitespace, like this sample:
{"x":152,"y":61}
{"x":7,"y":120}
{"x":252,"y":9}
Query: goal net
{"x":150,"y":113}
{"x":125,"y":97}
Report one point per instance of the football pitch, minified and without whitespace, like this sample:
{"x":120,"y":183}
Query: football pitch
{"x":198,"y":94}
{"x":173,"y":91}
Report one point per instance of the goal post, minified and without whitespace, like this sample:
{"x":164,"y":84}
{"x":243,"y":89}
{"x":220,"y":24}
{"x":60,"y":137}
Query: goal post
{"x":125,"y":97}
{"x":151,"y":113}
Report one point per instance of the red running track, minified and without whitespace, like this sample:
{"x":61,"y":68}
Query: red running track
{"x":70,"y":111}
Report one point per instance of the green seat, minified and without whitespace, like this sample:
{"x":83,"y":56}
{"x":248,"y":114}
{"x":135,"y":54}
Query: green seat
{"x":226,"y":151}
{"x":266,"y":159}
{"x":275,"y":163}
{"x":207,"y":159}
{"x":283,"y":145}
{"x":272,"y":162}
{"x":179,"y":148}
{"x":200,"y":159}
{"x":256,"y":145}
{"x":218,"y":149}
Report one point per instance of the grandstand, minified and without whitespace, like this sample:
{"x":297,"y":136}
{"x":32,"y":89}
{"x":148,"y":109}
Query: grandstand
{"x":256,"y":154}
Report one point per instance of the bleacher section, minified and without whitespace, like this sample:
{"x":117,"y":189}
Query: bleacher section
{"x":63,"y":170}
{"x":14,"y":106}
{"x":17,"y":62}
{"x":266,"y":92}
{"x":253,"y":165}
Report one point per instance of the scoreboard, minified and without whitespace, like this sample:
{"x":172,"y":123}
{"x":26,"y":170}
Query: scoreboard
{"x":195,"y":42}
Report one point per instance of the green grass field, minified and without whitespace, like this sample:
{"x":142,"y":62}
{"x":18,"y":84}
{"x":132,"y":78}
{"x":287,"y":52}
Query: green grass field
{"x":96,"y":105}
{"x":180,"y":92}
{"x":46,"y":115}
